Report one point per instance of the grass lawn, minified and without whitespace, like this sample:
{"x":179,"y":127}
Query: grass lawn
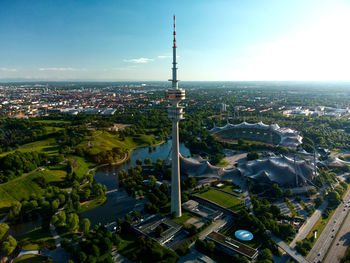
{"x":231,"y":188}
{"x":23,"y":187}
{"x":53,"y":122}
{"x":319,"y":226}
{"x":48,"y":146}
{"x":128,"y":246}
{"x":222,"y":163}
{"x":37,"y":238}
{"x":92,"y":204}
{"x":185,"y":216}
{"x":81,"y":166}
{"x":223,"y":199}
{"x":29,"y":259}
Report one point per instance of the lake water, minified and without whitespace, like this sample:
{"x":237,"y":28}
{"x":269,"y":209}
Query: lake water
{"x":118,"y":203}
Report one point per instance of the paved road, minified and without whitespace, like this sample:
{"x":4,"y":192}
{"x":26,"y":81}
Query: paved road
{"x":340,"y":244}
{"x":325,"y":239}
{"x":290,"y":251}
{"x":306,"y":228}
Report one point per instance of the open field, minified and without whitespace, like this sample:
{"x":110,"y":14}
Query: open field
{"x":223,"y":199}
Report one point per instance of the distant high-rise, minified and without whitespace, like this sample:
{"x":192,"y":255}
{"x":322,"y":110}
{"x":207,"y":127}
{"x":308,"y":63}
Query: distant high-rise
{"x":175,"y":114}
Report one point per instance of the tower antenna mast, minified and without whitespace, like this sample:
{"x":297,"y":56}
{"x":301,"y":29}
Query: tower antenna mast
{"x":175,"y":114}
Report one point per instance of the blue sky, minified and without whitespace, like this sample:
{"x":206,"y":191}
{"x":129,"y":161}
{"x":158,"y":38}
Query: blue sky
{"x":217,"y":39}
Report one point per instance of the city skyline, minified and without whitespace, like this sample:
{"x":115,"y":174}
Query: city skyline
{"x":220,"y":41}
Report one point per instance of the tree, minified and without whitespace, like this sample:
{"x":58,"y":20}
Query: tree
{"x":276,"y":191}
{"x":4,"y":228}
{"x":253,"y":156}
{"x":15,"y":210}
{"x":318,"y":201}
{"x":312,"y":191}
{"x":105,"y":245}
{"x":266,"y":254}
{"x":127,"y":218}
{"x":119,"y":222}
{"x":135,"y":214}
{"x":82,"y":256}
{"x":73,"y":221}
{"x":61,"y":218}
{"x":288,"y":193}
{"x":152,"y":180}
{"x":275,"y":210}
{"x":286,"y":231}
{"x":139,"y":162}
{"x":334,"y":199}
{"x":85,"y":226}
{"x":116,"y":239}
{"x":54,"y":205}
{"x":95,"y":251}
{"x":9,"y":245}
{"x":87,"y":193}
{"x":191,"y":182}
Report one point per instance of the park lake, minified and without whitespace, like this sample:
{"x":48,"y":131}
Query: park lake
{"x":118,"y":203}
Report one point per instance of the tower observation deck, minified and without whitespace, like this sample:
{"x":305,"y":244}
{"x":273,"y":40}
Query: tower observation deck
{"x":175,"y":114}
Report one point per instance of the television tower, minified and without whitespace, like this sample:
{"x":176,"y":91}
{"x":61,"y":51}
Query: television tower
{"x":175,"y":114}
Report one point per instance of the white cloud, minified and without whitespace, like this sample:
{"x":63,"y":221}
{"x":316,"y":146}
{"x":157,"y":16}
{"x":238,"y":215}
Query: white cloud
{"x":58,"y":69}
{"x":139,"y":60}
{"x":161,"y":57}
{"x":8,"y":69}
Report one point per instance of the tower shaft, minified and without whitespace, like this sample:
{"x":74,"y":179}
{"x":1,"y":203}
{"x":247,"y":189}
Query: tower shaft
{"x":175,"y":114}
{"x":175,"y":171}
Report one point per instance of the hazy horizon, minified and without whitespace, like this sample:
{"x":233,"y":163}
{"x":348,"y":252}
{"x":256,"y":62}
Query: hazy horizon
{"x":217,"y":40}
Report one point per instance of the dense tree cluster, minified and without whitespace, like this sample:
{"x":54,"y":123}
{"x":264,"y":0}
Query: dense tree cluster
{"x":15,"y":132}
{"x":253,"y":156}
{"x":7,"y":242}
{"x":303,"y":246}
{"x":151,"y":251}
{"x":158,"y":198}
{"x":14,"y":164}
{"x":46,"y":204}
{"x":66,"y":222}
{"x":268,"y":214}
{"x":95,"y":248}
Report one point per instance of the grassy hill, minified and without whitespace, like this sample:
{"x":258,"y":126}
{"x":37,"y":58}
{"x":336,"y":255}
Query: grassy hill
{"x":103,"y":141}
{"x":22,"y":187}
